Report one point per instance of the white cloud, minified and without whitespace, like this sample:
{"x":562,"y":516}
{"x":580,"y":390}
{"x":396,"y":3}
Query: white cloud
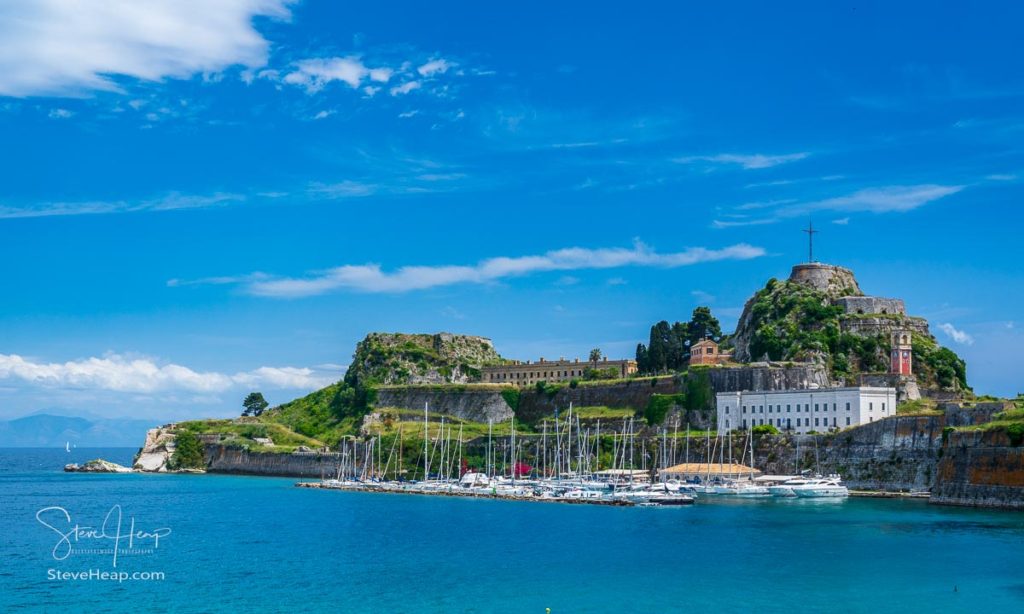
{"x":323,"y":114}
{"x":886,"y":199}
{"x":405,"y":88}
{"x":168,"y":202}
{"x":958,"y":336}
{"x":60,"y":114}
{"x":434,"y":67}
{"x":737,"y":223}
{"x":896,"y":198}
{"x":315,"y":73}
{"x":371,"y":278}
{"x":118,"y":373}
{"x":746,"y":161}
{"x":70,"y":48}
{"x":843,"y":221}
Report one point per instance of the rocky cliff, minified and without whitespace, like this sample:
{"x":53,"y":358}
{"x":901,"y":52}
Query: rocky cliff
{"x":229,"y":459}
{"x":156,"y":451}
{"x":981,"y":468}
{"x":897,"y":453}
{"x":479,"y":405}
{"x":400,"y":358}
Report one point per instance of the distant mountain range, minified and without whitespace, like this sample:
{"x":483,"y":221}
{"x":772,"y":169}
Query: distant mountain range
{"x":47,"y":430}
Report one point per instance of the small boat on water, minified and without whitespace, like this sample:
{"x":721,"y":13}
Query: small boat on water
{"x":829,"y":487}
{"x":785,"y":489}
{"x":671,"y":499}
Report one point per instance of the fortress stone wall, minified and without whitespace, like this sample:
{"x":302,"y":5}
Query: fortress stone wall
{"x":871,"y":304}
{"x":834,"y":280}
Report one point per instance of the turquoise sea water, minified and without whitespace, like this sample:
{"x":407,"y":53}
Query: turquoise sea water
{"x":260,"y":544}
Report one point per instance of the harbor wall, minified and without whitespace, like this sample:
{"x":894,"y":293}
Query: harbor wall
{"x":226,"y":459}
{"x":980,"y":468}
{"x":896,"y":453}
{"x":458,"y":401}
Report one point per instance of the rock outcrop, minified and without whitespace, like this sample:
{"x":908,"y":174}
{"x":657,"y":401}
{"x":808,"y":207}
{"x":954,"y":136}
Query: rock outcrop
{"x":400,"y":358}
{"x":467,"y":403}
{"x":97,"y":465}
{"x":156,"y":452}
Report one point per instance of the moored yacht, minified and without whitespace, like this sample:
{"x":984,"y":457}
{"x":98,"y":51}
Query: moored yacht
{"x":821,"y":488}
{"x":785,"y":489}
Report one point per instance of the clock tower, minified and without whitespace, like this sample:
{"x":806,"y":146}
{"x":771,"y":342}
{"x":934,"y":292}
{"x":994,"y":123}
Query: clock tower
{"x":902,"y":353}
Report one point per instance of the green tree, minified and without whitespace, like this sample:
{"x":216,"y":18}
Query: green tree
{"x":678,"y":349}
{"x":642,"y":362}
{"x":703,"y":325}
{"x":188,"y":452}
{"x":254,"y":404}
{"x":658,"y":348}
{"x":595,"y":355}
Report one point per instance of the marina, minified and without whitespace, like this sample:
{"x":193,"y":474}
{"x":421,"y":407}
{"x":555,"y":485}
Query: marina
{"x":569,"y":470}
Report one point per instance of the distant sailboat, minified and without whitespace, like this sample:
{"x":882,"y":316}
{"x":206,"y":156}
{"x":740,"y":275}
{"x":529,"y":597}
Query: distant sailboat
{"x":67,"y":446}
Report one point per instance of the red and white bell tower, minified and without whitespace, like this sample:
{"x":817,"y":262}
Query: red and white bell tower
{"x":902,"y":353}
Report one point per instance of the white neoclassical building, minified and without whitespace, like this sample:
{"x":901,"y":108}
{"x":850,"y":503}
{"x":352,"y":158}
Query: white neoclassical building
{"x":802,"y":411}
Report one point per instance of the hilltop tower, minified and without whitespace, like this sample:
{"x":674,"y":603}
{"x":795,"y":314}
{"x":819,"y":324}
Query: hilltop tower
{"x":902,"y":353}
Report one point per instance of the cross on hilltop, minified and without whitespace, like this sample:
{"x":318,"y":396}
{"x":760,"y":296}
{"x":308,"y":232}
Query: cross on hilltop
{"x":810,"y":240}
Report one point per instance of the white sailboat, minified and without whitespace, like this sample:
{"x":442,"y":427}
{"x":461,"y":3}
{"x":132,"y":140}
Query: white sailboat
{"x":67,"y":446}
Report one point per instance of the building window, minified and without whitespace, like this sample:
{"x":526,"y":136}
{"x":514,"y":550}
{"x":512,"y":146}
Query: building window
{"x":769,"y":409}
{"x":726,"y":409}
{"x":847,"y":407}
{"x":871,"y":407}
{"x":833,"y":407}
{"x":815,"y":407}
{"x":883,"y":407}
{"x":727,"y":423}
{"x":744,"y":409}
{"x":744,"y":423}
{"x":815,"y":422}
{"x":761,"y":409}
{"x":789,"y":423}
{"x":847,"y":421}
{"x":787,"y":408}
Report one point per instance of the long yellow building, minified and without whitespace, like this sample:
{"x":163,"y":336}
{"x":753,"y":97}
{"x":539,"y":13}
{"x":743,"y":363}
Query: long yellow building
{"x":529,"y":373}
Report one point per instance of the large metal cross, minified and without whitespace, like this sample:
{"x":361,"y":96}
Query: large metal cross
{"x":810,"y":240}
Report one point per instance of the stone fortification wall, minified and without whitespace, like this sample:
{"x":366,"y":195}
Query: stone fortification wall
{"x":833,"y":280}
{"x":871,"y":304}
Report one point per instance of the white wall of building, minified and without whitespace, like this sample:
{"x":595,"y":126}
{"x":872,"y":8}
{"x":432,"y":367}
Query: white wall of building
{"x":802,"y":411}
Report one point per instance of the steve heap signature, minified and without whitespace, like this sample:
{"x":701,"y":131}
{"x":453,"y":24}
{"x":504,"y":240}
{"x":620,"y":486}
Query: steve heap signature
{"x":112,"y":531}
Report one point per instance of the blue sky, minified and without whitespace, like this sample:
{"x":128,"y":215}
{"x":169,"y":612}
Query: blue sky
{"x":200,"y":199}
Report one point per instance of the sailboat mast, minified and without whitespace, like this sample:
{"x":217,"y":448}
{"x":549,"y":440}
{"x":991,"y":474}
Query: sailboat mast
{"x":426,"y":436}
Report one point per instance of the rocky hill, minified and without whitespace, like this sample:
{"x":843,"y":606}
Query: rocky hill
{"x":821,"y":315}
{"x":400,"y":358}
